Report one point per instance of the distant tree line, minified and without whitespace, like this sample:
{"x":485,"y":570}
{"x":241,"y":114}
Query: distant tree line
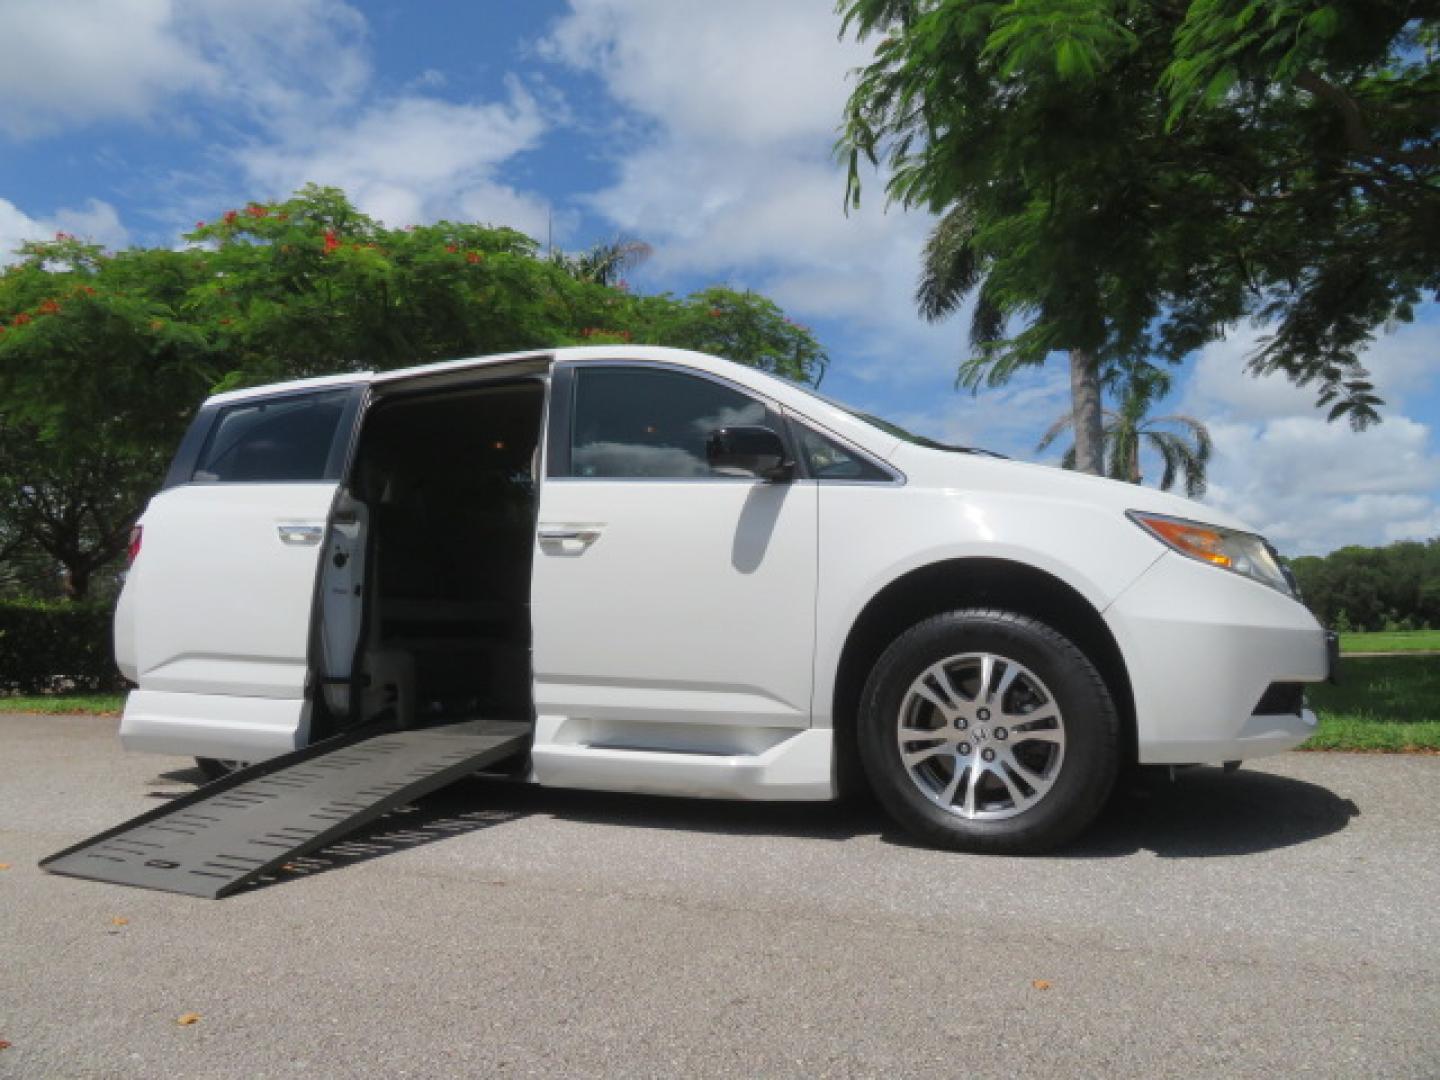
{"x":104,"y":356}
{"x":1363,"y":588}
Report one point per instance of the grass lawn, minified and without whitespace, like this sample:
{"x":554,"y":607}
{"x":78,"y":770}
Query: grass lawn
{"x":1391,"y":641}
{"x":62,"y":703}
{"x":1382,"y":703}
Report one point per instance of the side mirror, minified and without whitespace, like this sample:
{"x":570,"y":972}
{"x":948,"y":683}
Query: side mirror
{"x":749,"y":451}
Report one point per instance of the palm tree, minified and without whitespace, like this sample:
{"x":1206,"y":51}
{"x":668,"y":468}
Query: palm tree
{"x":1183,"y":442}
{"x":606,"y":262}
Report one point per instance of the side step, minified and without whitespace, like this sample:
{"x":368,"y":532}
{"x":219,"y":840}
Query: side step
{"x":225,"y":835}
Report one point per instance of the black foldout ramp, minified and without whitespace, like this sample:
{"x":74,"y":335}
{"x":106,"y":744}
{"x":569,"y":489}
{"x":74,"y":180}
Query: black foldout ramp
{"x":223,"y":836}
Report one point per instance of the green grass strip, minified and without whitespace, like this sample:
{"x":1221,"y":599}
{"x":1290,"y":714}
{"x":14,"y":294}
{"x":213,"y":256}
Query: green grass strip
{"x":62,"y":703}
{"x":1391,"y":641}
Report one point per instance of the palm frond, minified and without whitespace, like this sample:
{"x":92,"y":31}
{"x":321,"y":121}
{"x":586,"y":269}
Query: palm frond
{"x":949,"y":265}
{"x":1054,"y":431}
{"x":1165,"y":445}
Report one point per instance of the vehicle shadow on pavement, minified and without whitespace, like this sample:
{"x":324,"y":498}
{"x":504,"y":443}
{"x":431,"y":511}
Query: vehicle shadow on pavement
{"x":1203,"y":813}
{"x":1208,"y":813}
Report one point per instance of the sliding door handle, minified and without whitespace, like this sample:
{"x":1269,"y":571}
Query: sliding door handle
{"x":568,"y":539}
{"x":300,"y":535}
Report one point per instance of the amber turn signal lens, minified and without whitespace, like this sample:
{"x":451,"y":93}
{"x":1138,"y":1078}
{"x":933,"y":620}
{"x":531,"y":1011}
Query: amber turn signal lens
{"x":1201,"y":543}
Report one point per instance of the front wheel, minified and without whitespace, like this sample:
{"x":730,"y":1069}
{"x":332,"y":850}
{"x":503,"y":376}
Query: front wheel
{"x":988,"y":731}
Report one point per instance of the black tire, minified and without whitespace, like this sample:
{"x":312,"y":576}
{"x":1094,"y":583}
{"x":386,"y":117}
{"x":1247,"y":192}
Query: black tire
{"x":1081,"y":768}
{"x":216,"y":769}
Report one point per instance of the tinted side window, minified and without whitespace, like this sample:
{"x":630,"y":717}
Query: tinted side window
{"x":827,"y":459}
{"x":281,"y":439}
{"x":636,"y":423}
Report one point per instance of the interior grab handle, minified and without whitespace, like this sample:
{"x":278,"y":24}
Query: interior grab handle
{"x":300,"y":535}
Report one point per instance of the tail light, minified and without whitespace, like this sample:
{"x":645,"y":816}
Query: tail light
{"x":133,"y":549}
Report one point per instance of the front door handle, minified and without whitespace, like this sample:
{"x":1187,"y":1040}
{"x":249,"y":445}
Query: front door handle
{"x":300,"y":535}
{"x":568,"y":539}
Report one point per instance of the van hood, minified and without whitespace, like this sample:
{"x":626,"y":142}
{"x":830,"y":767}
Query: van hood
{"x":982,"y":472}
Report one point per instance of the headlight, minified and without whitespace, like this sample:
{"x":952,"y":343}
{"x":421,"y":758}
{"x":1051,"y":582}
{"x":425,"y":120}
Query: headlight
{"x":1244,"y":553}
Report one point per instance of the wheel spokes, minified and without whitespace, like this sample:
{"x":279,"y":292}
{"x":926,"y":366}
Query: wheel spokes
{"x":980,"y":735}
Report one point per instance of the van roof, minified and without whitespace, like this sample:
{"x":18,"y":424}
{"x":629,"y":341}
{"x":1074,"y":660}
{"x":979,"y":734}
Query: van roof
{"x":612,"y":352}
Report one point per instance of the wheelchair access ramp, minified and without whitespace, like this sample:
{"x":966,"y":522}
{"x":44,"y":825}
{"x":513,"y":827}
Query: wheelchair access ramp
{"x":227,"y":834}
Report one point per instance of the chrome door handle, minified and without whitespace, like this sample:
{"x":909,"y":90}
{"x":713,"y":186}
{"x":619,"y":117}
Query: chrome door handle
{"x":568,"y":539}
{"x":300,"y":535}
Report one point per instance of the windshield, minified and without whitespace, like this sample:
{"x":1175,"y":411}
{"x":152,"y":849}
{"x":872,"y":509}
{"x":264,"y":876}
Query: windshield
{"x":893,"y":429}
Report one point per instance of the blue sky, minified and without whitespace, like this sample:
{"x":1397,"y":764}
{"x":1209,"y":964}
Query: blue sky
{"x":702,"y":128}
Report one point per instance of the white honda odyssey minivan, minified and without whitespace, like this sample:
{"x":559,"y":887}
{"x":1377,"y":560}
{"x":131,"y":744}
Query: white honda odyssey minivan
{"x":686,"y":576}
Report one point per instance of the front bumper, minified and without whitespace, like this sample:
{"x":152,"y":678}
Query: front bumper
{"x":1202,"y":646}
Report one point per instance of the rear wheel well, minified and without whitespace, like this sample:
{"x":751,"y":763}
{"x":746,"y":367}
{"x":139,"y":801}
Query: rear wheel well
{"x":968,"y":583}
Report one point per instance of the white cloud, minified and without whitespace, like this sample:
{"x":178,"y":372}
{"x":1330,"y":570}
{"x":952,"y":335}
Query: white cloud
{"x":1308,"y":484}
{"x":413,"y":159}
{"x":747,"y":71}
{"x":1400,"y":363}
{"x":295,"y":75}
{"x":728,"y":171}
{"x":83,"y":61}
{"x":96,"y":221}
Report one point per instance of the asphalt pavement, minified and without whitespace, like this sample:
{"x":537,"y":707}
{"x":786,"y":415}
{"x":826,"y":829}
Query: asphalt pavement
{"x":1280,"y":921}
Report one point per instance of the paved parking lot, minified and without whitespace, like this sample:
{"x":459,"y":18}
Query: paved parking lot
{"x":1281,"y":921}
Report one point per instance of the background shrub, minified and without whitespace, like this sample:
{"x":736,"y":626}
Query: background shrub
{"x":56,"y":646}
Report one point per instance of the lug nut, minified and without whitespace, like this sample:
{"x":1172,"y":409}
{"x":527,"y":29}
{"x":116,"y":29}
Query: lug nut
{"x":961,"y":724}
{"x":983,"y":715}
{"x":987,"y":755}
{"x":964,"y":749}
{"x":1001,"y":734}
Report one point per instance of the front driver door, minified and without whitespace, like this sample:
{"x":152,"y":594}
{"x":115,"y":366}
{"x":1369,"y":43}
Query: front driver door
{"x":667,"y":598}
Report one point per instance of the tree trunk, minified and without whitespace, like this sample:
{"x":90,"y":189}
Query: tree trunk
{"x":1085,"y":403}
{"x":76,"y":581}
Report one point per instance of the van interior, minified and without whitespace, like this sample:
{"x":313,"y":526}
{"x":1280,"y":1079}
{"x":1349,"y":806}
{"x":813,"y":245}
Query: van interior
{"x":448,"y":484}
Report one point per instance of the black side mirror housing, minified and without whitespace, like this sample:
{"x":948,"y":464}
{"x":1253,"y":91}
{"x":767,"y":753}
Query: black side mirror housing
{"x":749,"y":451}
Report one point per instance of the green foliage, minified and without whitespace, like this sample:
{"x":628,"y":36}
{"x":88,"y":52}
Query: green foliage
{"x":99,"y":369}
{"x":47,"y":647}
{"x":1128,"y":179}
{"x":1373,"y":589}
{"x":104,"y":356}
{"x":745,"y":327}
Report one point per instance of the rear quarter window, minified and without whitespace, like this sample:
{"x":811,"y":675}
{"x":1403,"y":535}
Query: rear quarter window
{"x":287,"y":438}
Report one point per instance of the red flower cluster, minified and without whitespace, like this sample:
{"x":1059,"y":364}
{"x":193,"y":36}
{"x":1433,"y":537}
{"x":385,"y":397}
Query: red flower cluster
{"x":714,"y":313}
{"x":451,"y":248}
{"x":230,"y":217}
{"x":331,"y":241}
{"x":473,"y":257}
{"x":20,"y":320}
{"x":63,"y":236}
{"x":49,"y":307}
{"x":255,"y":210}
{"x":199,"y":224}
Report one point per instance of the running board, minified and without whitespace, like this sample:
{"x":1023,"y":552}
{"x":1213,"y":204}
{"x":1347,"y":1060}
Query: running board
{"x":223,"y":836}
